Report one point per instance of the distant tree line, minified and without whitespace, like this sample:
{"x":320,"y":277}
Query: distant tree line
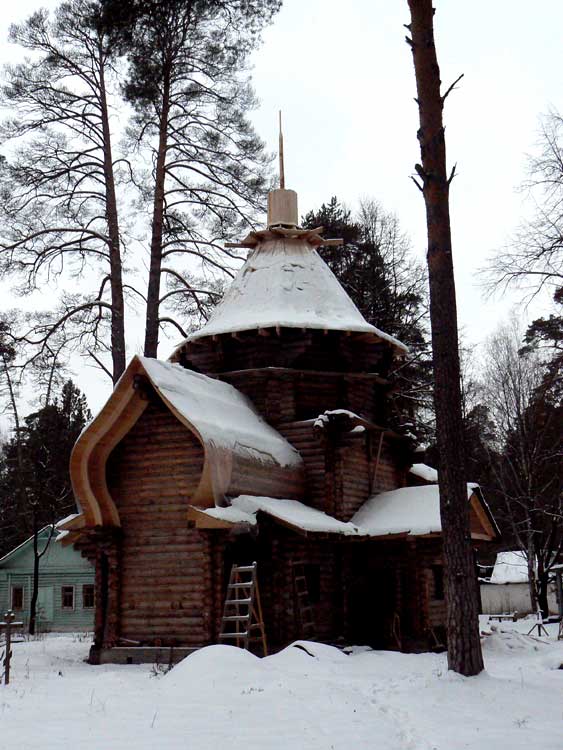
{"x":35,"y":489}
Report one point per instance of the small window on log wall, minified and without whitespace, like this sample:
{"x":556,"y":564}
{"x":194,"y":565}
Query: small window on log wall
{"x":88,"y":596}
{"x":67,"y":597}
{"x":17,"y":597}
{"x":313,"y":576}
{"x":438,"y":579}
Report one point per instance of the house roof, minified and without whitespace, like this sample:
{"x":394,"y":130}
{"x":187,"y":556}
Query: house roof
{"x":236,"y":441}
{"x":12,"y":553}
{"x":286,"y":284}
{"x":510,"y":567}
{"x":292,"y":513}
{"x":222,"y":416}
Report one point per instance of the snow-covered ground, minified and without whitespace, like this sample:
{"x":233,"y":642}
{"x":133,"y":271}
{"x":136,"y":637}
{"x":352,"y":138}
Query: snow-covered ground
{"x":223,"y":698}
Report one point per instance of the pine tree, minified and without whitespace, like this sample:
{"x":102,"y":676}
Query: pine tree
{"x":464,"y":647}
{"x":59,"y":184}
{"x":191,"y":101}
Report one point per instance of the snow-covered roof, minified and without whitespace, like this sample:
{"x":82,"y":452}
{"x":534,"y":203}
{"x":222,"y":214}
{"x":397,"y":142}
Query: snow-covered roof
{"x":285,"y":283}
{"x":413,"y":511}
{"x":222,"y":416}
{"x":422,"y":471}
{"x":241,"y":452}
{"x":244,"y":508}
{"x":408,"y":510}
{"x":67,"y":519}
{"x":23,"y":544}
{"x":510,"y":567}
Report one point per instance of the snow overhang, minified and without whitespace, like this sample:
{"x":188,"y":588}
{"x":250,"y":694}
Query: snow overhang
{"x":241,"y":451}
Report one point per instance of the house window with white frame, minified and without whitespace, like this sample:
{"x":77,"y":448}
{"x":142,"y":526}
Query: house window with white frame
{"x":67,"y":597}
{"x":88,"y":596}
{"x":17,"y":598}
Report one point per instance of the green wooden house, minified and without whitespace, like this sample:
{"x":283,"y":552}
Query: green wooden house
{"x":66,"y":585}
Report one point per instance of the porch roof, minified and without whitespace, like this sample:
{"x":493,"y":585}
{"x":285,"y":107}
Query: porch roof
{"x":406,"y":512}
{"x":415,"y":511}
{"x":291,"y":513}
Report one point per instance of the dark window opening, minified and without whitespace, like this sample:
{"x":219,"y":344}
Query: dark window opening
{"x":88,"y":596}
{"x":17,"y":597}
{"x":438,"y":576}
{"x":67,"y":597}
{"x":313,"y":578}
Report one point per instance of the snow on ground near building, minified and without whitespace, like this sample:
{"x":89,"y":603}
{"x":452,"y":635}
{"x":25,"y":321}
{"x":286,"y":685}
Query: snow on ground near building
{"x":223,"y":697}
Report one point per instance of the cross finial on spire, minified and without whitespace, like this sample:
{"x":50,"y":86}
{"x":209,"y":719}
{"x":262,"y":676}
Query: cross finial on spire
{"x":282,"y":172}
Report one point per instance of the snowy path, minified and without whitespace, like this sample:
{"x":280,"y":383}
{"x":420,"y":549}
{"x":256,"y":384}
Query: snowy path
{"x":224,"y":698}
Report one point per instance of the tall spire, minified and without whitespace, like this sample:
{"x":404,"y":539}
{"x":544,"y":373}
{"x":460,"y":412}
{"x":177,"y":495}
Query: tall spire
{"x":280,"y":153}
{"x":282,"y":203}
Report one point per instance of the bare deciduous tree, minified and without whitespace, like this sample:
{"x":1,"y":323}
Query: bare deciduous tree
{"x":533,"y":259}
{"x":526,"y":457}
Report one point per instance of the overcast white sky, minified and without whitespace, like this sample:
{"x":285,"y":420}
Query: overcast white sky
{"x":343,"y":76}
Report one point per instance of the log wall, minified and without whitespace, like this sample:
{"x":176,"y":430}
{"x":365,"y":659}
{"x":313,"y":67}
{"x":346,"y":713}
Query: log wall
{"x":289,"y":347}
{"x":304,"y":437}
{"x":284,"y":395}
{"x":165,"y":567}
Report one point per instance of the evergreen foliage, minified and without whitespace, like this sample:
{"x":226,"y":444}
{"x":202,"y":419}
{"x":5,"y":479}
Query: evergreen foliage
{"x":377,"y":270}
{"x":35,"y":485}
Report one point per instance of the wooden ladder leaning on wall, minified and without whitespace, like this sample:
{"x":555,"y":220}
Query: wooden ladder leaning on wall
{"x":303,"y":606}
{"x":242,"y":620}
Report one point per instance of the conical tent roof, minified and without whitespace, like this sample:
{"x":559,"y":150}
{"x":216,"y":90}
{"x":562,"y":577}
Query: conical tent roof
{"x":285,"y":283}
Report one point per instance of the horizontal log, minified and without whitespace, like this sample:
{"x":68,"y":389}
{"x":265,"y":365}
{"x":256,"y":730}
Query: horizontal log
{"x":166,"y":589}
{"x":153,"y":459}
{"x":191,"y":564}
{"x":161,"y":574}
{"x":155,"y":551}
{"x":188,"y":639}
{"x":153,"y":618}
{"x":188,"y":607}
{"x":193,"y":549}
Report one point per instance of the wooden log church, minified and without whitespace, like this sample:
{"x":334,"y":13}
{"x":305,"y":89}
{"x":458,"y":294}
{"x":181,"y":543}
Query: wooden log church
{"x":264,"y":438}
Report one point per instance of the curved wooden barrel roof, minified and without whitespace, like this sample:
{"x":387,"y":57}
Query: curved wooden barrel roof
{"x":242,"y":453}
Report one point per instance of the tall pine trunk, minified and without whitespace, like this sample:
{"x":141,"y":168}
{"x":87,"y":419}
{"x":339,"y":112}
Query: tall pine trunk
{"x":464,"y":648}
{"x":116,"y":268}
{"x":153,"y":291}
